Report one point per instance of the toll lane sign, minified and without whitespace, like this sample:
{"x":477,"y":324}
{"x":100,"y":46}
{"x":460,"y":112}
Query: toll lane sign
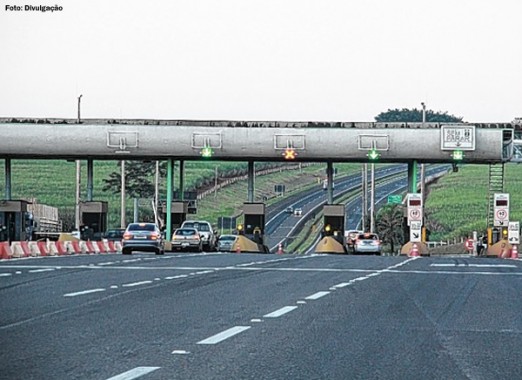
{"x":514,"y":232}
{"x":415,"y":231}
{"x":457,"y":137}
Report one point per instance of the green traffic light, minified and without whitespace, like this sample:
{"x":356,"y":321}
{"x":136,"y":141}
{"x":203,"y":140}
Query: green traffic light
{"x":458,"y":155}
{"x":207,"y":152}
{"x":373,"y":154}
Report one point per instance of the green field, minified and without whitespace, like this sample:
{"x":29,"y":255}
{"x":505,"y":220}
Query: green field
{"x":457,"y":204}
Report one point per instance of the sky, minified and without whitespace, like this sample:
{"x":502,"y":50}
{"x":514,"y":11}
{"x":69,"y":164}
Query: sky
{"x":296,"y":60}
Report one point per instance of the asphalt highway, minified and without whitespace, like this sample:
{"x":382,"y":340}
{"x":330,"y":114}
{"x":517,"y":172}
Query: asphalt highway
{"x":248,"y":316}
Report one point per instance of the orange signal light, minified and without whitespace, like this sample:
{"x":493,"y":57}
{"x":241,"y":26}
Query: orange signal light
{"x":289,"y":154}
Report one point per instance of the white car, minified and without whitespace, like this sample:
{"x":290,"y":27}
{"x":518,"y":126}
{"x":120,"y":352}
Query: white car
{"x":368,"y":243}
{"x":298,"y":211}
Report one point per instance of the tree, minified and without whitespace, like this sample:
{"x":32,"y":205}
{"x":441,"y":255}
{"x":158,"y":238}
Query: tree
{"x":389,"y":225}
{"x":139,"y":179}
{"x":415,"y":115}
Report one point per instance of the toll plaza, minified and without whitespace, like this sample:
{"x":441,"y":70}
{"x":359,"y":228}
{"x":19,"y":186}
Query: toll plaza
{"x":93,"y":217}
{"x":332,"y":235}
{"x":178,"y":213}
{"x":14,"y":220}
{"x":251,"y":233}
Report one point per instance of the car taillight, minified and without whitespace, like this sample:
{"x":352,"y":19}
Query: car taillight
{"x":127,"y":236}
{"x":154,"y":236}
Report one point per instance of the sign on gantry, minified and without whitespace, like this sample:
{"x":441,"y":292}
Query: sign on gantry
{"x":461,"y":137}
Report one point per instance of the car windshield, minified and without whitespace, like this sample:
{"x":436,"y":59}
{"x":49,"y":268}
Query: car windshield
{"x":115,"y":234}
{"x":185,"y":232}
{"x":198,"y":226}
{"x":227,"y":238}
{"x":368,"y":237}
{"x":141,"y":227}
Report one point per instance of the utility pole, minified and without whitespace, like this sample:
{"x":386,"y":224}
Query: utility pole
{"x":123,"y":223}
{"x":422,"y":167}
{"x":79,"y":101}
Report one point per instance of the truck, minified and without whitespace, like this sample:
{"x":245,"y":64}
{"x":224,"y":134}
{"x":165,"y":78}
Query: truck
{"x":43,"y":222}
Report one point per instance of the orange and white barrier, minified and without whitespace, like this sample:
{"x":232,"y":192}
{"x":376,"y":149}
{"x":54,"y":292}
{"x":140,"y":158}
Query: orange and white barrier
{"x":514,"y":251}
{"x":414,"y":250}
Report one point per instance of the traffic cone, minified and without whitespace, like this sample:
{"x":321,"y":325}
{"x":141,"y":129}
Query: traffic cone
{"x":414,"y":250}
{"x":238,"y":248}
{"x":514,"y":251}
{"x":280,"y":249}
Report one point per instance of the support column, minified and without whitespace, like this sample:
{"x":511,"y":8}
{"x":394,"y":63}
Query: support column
{"x":181,"y":179}
{"x":364,"y":196}
{"x":251,"y":175}
{"x":329,"y":176}
{"x":412,"y":176}
{"x":123,"y":222}
{"x":8,"y":179}
{"x":372,"y":198}
{"x":77,"y":218}
{"x":90,"y":182}
{"x":168,"y":217}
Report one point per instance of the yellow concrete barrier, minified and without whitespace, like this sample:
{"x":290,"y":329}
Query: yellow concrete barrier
{"x":328,"y":244}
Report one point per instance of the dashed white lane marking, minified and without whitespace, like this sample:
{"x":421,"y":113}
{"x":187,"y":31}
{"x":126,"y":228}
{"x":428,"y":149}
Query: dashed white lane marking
{"x":84,"y":292}
{"x":224,"y":335}
{"x":317,"y":295}
{"x":174,"y":277}
{"x":5,"y":274}
{"x":476,"y":265}
{"x":137,"y":283}
{"x":280,"y":312}
{"x":134,"y":373}
{"x":180,"y":352}
{"x":41,"y":270}
{"x":107,"y":263}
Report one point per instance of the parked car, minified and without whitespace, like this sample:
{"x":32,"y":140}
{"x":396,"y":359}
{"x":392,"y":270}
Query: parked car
{"x":115,"y":234}
{"x":368,"y":243}
{"x":208,"y":235}
{"x":298,"y":211}
{"x":226,"y":243}
{"x":184,"y":239}
{"x":142,"y":237}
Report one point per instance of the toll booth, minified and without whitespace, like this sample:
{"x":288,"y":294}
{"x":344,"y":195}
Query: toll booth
{"x":14,"y":220}
{"x":333,"y":218}
{"x":93,"y":217}
{"x":178,"y":213}
{"x":254,"y":225}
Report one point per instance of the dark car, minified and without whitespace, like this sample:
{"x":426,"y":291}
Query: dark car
{"x":226,"y":243}
{"x":184,"y":239}
{"x":115,"y":234}
{"x":142,"y":237}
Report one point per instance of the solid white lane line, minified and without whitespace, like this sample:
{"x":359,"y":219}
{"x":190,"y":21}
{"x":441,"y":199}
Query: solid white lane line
{"x":5,"y":274}
{"x":108,"y":263}
{"x":134,"y":373}
{"x":317,"y":295}
{"x":137,"y":283}
{"x":280,"y":312}
{"x":41,"y":270}
{"x":224,"y":335}
{"x":84,"y":292}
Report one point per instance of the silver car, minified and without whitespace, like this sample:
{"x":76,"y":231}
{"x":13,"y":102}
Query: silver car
{"x":185,"y":239}
{"x":142,"y":237}
{"x":208,"y":236}
{"x":368,"y":243}
{"x":226,"y":243}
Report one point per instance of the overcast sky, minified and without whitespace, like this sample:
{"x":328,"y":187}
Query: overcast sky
{"x":336,"y":60}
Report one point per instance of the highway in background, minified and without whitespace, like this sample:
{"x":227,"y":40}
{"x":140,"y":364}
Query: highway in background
{"x":248,"y":316}
{"x":282,"y":225}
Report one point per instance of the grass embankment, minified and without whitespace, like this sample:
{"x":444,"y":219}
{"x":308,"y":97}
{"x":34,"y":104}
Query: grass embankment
{"x":457,"y":204}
